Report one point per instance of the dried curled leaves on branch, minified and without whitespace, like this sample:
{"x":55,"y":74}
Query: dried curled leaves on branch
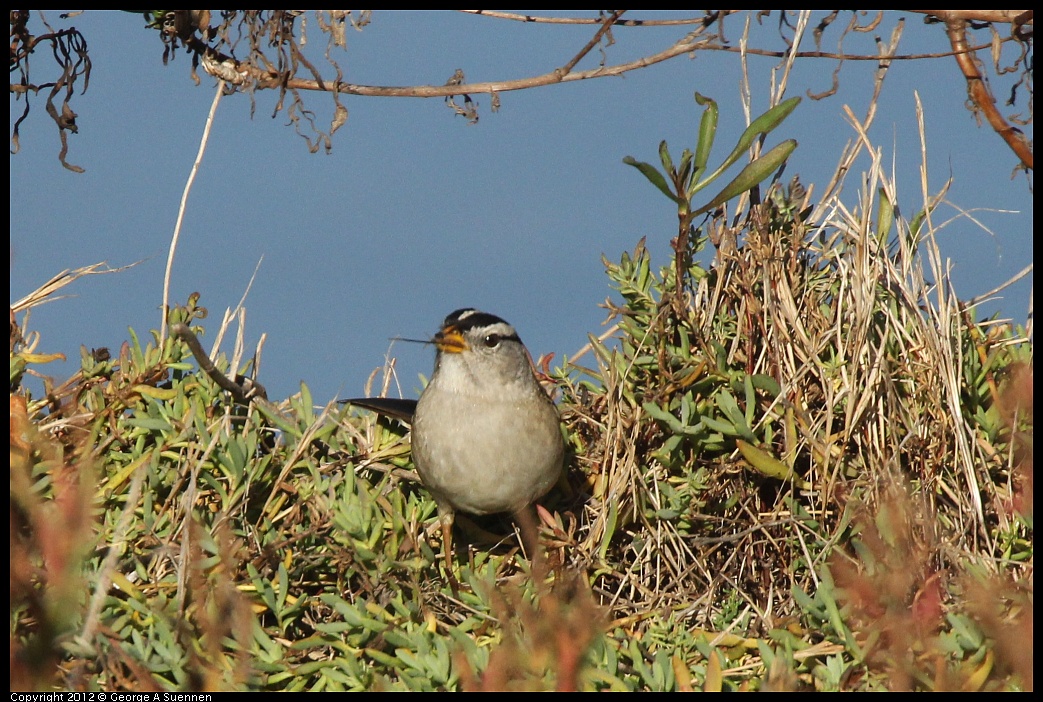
{"x":264,"y":49}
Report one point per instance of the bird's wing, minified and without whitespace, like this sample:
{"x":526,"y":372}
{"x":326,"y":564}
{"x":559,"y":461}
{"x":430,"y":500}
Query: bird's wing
{"x":388,"y":406}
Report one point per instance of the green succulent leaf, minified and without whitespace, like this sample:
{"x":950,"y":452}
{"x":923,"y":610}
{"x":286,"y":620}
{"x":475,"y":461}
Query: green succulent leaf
{"x":766,"y":464}
{"x":754,"y":173}
{"x":655,"y":177}
{"x":664,"y":157}
{"x":885,"y":217}
{"x":707,"y":134}
{"x":762,"y":125}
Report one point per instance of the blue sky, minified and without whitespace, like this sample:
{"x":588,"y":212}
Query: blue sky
{"x":416,"y":213}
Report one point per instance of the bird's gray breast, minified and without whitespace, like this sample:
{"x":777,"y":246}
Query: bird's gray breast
{"x":486,"y":455}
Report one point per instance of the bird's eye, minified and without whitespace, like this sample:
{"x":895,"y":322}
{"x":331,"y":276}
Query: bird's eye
{"x":492,"y":341}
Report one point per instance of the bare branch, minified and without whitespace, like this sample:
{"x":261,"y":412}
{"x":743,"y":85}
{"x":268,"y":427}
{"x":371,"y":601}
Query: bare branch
{"x":849,"y":57}
{"x":605,"y":27}
{"x":267,"y":76}
{"x":980,"y":95}
{"x":683,"y":46}
{"x":276,"y":60}
{"x":495,"y":14}
{"x":1001,"y":16}
{"x":243,"y":394}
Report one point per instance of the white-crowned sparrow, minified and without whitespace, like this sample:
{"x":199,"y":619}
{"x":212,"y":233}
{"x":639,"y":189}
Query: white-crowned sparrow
{"x":485,"y":436}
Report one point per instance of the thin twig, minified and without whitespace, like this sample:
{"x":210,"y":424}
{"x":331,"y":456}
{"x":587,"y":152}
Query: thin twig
{"x":119,"y":538}
{"x":537,"y":19}
{"x":181,"y":210}
{"x":999,"y":288}
{"x":241,"y":394}
{"x":589,"y":346}
{"x":605,"y":27}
